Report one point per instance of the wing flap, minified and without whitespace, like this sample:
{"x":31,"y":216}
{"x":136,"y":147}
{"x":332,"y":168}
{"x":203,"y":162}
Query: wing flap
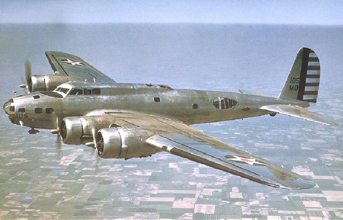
{"x":299,"y":112}
{"x":74,"y":66}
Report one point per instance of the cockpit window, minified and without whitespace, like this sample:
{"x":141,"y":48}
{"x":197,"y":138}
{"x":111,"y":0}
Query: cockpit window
{"x":63,"y":90}
{"x":91,"y":91}
{"x":96,"y":91}
{"x":87,"y":91}
{"x":76,"y":92}
{"x":224,"y":103}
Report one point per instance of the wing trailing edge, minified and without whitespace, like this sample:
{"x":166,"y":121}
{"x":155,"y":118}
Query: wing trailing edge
{"x":299,"y":112}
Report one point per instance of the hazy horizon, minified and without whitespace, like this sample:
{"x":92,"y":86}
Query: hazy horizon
{"x":165,"y":11}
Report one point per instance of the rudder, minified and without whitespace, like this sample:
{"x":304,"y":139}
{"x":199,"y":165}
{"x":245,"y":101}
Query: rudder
{"x":303,"y":80}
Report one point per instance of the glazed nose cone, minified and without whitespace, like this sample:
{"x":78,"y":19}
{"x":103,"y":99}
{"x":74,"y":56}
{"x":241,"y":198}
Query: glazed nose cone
{"x":8,"y":107}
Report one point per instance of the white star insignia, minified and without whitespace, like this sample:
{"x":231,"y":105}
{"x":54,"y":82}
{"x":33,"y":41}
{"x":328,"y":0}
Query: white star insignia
{"x":72,"y":62}
{"x":250,"y":161}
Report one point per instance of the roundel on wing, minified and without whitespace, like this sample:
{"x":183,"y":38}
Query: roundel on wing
{"x":250,"y":161}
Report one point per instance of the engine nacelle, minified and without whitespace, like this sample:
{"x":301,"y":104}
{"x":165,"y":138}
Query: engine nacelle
{"x":118,"y":142}
{"x":48,"y":82}
{"x":72,"y":130}
{"x":80,"y":130}
{"x":109,"y":143}
{"x":37,"y":83}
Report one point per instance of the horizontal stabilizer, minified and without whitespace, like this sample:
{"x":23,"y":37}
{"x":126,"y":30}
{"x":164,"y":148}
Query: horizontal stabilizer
{"x":299,"y":112}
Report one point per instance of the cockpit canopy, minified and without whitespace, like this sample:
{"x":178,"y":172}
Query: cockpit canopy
{"x":62,"y":90}
{"x":85,"y":88}
{"x":68,"y":89}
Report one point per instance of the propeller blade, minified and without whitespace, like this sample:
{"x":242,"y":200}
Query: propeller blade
{"x":58,"y":141}
{"x":57,"y":129}
{"x":28,"y":74}
{"x":92,"y":144}
{"x":58,"y":144}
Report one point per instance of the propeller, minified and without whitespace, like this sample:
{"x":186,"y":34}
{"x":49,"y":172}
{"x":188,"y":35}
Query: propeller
{"x":28,"y":74}
{"x":92,"y":144}
{"x":57,"y":132}
{"x":94,"y":150}
{"x":57,"y":129}
{"x":58,"y":144}
{"x":98,"y":159}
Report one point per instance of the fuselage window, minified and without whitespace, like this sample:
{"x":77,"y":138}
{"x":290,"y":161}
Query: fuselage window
{"x":21,"y":110}
{"x":195,"y":106}
{"x":38,"y":110}
{"x":157,"y":99}
{"x":49,"y":110}
{"x":87,"y":91}
{"x":224,"y":103}
{"x":76,"y":92}
{"x":96,"y":91}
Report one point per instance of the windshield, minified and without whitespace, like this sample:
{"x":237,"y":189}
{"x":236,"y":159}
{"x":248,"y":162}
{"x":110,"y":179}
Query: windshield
{"x":61,"y":90}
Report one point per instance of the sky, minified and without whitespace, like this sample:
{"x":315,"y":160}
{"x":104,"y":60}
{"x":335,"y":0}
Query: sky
{"x":314,"y":12}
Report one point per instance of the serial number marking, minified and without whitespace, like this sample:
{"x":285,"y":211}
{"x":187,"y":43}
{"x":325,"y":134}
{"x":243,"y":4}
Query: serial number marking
{"x":294,"y":84}
{"x":295,"y":80}
{"x":21,"y":115}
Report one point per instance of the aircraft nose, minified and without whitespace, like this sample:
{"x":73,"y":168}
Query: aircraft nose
{"x":8,"y":107}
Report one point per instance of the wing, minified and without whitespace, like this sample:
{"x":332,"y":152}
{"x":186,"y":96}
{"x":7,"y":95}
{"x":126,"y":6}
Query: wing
{"x":182,"y":140}
{"x":73,"y":66}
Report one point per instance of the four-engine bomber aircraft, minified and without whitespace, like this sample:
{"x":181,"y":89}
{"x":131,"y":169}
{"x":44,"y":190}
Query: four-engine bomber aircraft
{"x":124,"y":120}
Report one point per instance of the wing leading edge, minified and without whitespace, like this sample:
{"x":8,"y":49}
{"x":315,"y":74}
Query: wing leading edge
{"x":182,"y":140}
{"x":74,"y":66}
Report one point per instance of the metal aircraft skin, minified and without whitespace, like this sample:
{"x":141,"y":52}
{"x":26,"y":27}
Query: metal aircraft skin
{"x":124,"y":120}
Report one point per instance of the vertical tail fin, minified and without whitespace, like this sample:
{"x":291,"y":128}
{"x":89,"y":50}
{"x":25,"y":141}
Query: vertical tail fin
{"x":303,"y":80}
